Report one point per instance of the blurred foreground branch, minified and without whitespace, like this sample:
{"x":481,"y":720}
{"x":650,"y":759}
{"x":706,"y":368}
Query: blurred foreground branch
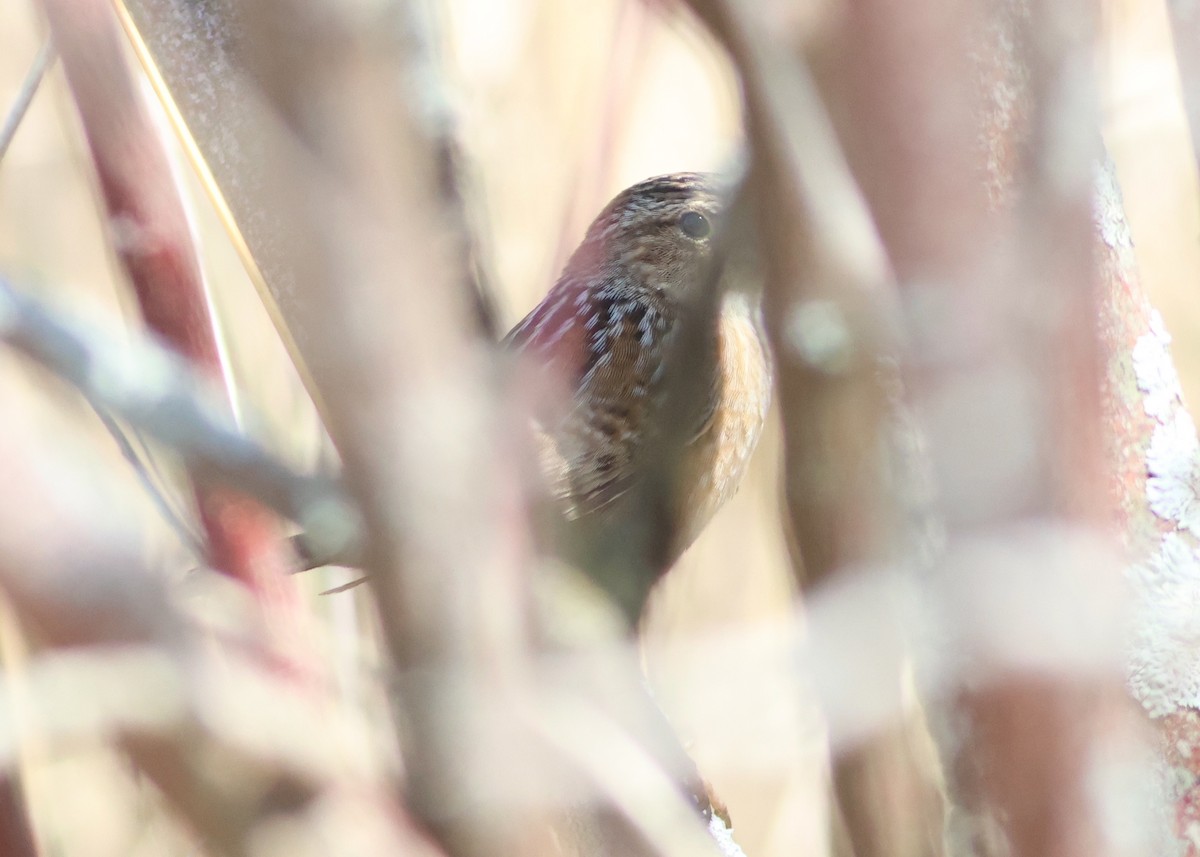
{"x":180,"y":710}
{"x":1156,"y":453}
{"x":154,"y":391}
{"x":833,"y":319}
{"x":29,"y":88}
{"x":306,"y":114}
{"x":427,"y":451}
{"x":153,"y":241}
{"x":994,"y":247}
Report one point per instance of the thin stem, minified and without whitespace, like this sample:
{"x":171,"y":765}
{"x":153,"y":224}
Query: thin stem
{"x":155,"y":392}
{"x":29,"y":88}
{"x":151,"y":482}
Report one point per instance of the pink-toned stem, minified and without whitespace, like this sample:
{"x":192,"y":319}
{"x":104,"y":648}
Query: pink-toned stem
{"x":152,"y":239}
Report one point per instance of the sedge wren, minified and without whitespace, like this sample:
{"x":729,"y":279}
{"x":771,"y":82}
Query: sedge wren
{"x":605,"y":334}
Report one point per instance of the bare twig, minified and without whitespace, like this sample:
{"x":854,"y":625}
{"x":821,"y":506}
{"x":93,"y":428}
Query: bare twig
{"x":833,"y":320}
{"x":153,"y":241}
{"x":154,"y":391}
{"x":1017,"y":262}
{"x":453,"y":173}
{"x":29,"y":88}
{"x":362,"y":221}
{"x":829,"y":307}
{"x":360,"y":233}
{"x":351,"y":235}
{"x":153,"y":487}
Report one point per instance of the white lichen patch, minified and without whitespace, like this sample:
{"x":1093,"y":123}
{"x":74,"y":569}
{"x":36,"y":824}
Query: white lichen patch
{"x":1172,"y":464}
{"x":724,"y":837}
{"x":1165,"y":644}
{"x":1173,"y":459}
{"x":1155,"y":371}
{"x":1164,"y":663}
{"x":1108,"y":212}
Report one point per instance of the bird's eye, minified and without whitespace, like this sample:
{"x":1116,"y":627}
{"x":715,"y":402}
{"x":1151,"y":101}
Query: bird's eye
{"x":694,"y":225}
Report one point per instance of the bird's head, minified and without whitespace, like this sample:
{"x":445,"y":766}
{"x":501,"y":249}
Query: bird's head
{"x":657,"y":234}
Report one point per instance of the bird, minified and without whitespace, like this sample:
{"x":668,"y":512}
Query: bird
{"x":603,"y":339}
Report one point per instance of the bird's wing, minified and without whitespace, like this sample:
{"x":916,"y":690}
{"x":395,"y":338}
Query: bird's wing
{"x":613,"y":410}
{"x":605,"y":345}
{"x":553,"y":334}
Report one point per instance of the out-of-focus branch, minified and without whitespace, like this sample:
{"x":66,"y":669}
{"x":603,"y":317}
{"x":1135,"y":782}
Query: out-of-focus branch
{"x":361,"y":233}
{"x":29,"y":88}
{"x":15,"y":830}
{"x":832,"y":316}
{"x":363,"y":221}
{"x":452,"y":167}
{"x":70,"y":569}
{"x":997,"y":283}
{"x":153,"y":241}
{"x":1185,"y":31}
{"x":339,"y":199}
{"x":1042,"y":150}
{"x":830,"y":312}
{"x":155,"y":392}
{"x":1154,"y":446}
{"x":186,"y":48}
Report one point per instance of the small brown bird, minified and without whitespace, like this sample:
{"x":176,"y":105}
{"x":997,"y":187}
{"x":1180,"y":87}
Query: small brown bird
{"x":604,"y":334}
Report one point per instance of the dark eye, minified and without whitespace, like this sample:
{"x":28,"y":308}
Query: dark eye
{"x":694,"y":225}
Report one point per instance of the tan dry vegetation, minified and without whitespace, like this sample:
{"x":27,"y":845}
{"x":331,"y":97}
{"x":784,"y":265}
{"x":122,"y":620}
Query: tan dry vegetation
{"x":561,"y":105}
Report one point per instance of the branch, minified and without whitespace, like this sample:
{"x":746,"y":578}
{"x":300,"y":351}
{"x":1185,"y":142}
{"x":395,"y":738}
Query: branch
{"x":330,"y":171}
{"x":1156,"y":453}
{"x":832,"y":315}
{"x":1153,"y":450}
{"x":427,"y":448}
{"x":186,"y":50}
{"x":29,"y":88}
{"x":216,"y":733}
{"x":154,"y":244}
{"x":15,"y":831}
{"x":993,"y":246}
{"x":359,"y":233}
{"x":155,"y":392}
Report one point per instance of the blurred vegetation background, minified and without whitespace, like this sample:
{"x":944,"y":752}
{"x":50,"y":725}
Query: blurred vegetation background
{"x":560,"y":105}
